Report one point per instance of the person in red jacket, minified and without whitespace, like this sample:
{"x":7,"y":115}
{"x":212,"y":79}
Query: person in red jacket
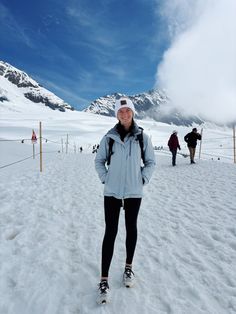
{"x":173,"y":144}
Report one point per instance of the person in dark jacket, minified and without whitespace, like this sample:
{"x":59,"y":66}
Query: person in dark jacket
{"x":173,"y":144}
{"x":191,"y":140}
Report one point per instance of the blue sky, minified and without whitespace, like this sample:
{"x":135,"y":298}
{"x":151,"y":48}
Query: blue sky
{"x":81,"y":49}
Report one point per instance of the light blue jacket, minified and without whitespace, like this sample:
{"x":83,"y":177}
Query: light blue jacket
{"x":123,"y":178}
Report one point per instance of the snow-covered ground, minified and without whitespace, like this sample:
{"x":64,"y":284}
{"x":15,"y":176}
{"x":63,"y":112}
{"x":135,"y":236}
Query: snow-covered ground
{"x":52,"y":224}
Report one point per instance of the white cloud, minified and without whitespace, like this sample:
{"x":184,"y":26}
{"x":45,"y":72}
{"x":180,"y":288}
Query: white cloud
{"x":199,"y":69}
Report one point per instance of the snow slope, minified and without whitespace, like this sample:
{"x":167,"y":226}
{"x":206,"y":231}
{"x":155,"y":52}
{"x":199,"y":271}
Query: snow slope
{"x":52,"y":224}
{"x":51,"y":229}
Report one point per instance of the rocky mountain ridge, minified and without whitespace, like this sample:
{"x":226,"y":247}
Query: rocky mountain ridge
{"x":153,"y":104}
{"x":30,"y":88}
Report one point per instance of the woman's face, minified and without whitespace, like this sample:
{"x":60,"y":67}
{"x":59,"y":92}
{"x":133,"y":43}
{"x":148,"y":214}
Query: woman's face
{"x":125,"y":116}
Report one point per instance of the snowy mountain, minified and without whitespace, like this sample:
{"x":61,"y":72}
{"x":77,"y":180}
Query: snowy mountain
{"x":16,"y":85}
{"x":152,"y":104}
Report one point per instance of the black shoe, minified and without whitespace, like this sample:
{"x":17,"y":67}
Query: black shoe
{"x":192,"y":162}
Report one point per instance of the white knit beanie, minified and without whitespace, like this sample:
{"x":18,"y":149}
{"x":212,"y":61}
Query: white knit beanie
{"x":124,"y":103}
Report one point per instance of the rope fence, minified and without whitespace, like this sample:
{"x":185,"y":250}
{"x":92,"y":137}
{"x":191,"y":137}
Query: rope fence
{"x":16,"y":162}
{"x":64,"y":145}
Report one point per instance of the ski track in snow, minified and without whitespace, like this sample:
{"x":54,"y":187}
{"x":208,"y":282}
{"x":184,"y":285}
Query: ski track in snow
{"x":51,"y":230}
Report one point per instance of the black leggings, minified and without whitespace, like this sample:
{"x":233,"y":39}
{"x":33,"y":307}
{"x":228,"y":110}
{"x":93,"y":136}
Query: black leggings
{"x":112,"y":207}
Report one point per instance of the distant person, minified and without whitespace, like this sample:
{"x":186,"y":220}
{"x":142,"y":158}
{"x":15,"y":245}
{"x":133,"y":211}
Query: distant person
{"x":94,"y":149}
{"x":191,"y":140}
{"x":173,"y":144}
{"x":81,"y":149}
{"x":120,"y":169}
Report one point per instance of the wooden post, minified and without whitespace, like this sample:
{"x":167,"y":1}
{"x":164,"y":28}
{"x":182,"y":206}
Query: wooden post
{"x":66,"y":143}
{"x":200,"y":147}
{"x":62,"y":145}
{"x":234,"y":144}
{"x":41,"y":146}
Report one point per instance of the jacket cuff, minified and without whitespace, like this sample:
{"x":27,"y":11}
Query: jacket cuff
{"x":103,"y":178}
{"x":145,"y":180}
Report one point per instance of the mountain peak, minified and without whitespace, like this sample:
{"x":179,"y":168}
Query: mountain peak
{"x":29,"y":88}
{"x":15,"y":76}
{"x":153,"y":104}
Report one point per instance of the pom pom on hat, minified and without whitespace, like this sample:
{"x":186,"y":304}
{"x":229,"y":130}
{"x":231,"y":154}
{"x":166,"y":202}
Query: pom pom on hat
{"x":124,"y":103}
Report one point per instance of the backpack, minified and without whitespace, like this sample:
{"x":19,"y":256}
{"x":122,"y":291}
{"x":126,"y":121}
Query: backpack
{"x":140,"y":139}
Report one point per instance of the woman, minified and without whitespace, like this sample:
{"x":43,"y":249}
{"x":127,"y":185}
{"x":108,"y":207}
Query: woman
{"x":123,"y":183}
{"x":173,"y":144}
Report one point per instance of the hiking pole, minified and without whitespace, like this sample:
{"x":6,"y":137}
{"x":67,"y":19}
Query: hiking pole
{"x":200,"y":148}
{"x":234,"y":144}
{"x":40,"y":141}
